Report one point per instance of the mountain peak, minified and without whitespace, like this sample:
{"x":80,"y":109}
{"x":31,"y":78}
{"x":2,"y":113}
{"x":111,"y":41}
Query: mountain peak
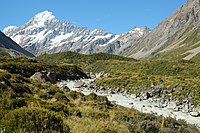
{"x":44,"y":17}
{"x":140,"y":31}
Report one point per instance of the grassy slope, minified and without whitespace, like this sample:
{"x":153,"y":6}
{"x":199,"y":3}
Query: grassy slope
{"x":3,"y":52}
{"x":27,"y":67}
{"x":144,"y":74}
{"x":78,"y":59}
{"x":30,"y":106}
{"x":185,"y":43}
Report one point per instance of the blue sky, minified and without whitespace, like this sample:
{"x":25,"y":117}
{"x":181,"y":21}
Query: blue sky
{"x":115,"y":16}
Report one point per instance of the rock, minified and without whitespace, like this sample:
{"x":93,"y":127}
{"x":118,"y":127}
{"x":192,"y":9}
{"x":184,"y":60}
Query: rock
{"x":187,"y":107}
{"x":54,"y":99}
{"x":40,"y":76}
{"x":146,"y":95}
{"x":196,"y":111}
{"x":156,"y":91}
{"x":45,"y":77}
{"x":171,"y":105}
{"x":178,"y":88}
{"x":51,"y":77}
{"x":112,"y":92}
{"x":78,"y":84}
{"x":92,"y":75}
{"x":194,"y":114}
{"x":66,"y":88}
{"x":50,"y":92}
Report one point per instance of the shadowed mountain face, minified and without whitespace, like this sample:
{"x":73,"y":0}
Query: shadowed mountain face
{"x":177,"y":37}
{"x":11,"y":47}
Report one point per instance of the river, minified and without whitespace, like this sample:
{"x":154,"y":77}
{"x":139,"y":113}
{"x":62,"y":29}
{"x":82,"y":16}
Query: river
{"x":145,"y":106}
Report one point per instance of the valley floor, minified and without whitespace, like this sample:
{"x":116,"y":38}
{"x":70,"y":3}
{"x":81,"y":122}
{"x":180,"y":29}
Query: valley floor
{"x":145,"y":106}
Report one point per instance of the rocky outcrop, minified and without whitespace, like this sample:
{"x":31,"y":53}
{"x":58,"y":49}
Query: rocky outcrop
{"x":127,"y":39}
{"x":45,"y":77}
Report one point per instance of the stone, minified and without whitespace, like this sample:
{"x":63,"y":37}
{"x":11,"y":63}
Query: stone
{"x":40,"y":76}
{"x":54,"y":99}
{"x":156,"y":91}
{"x":66,"y":88}
{"x":51,"y":77}
{"x":45,"y":77}
{"x":171,"y":105}
{"x":187,"y":107}
{"x":194,"y":114}
{"x":78,"y":84}
{"x":146,"y":95}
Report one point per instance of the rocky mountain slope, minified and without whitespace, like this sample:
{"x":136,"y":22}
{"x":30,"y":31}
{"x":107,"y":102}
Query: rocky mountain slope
{"x":46,"y":34}
{"x":9,"y":47}
{"x":127,"y":39}
{"x":177,"y":37}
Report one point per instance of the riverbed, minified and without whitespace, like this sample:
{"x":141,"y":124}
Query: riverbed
{"x":145,"y":106}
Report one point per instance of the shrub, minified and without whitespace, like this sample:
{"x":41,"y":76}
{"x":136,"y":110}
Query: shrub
{"x":33,"y":120}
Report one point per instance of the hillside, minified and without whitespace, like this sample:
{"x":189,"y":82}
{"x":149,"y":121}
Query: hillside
{"x":137,"y":76}
{"x":28,"y":105}
{"x":176,"y":37}
{"x":81,"y":60}
{"x":9,"y":47}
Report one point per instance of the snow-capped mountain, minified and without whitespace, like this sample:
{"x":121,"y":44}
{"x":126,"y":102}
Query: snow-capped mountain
{"x":46,"y":34}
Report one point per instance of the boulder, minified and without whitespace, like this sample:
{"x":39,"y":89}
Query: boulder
{"x":187,"y":107}
{"x":45,"y":77}
{"x":78,"y":84}
{"x":66,"y":88}
{"x":51,"y":77}
{"x":40,"y":76}
{"x":194,"y":114}
{"x":146,"y":95}
{"x":171,"y":105}
{"x":156,"y":91}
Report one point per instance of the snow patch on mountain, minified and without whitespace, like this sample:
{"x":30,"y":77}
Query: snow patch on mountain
{"x":9,"y":29}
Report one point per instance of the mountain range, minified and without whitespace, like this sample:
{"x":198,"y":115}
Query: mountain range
{"x":44,"y":33}
{"x":176,"y":37}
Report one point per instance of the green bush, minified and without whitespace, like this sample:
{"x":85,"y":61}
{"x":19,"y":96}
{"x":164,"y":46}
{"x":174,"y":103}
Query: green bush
{"x":33,"y":120}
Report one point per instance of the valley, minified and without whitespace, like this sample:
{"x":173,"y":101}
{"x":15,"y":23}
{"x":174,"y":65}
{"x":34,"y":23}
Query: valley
{"x":151,"y":105}
{"x":57,"y":77}
{"x":25,"y":99}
